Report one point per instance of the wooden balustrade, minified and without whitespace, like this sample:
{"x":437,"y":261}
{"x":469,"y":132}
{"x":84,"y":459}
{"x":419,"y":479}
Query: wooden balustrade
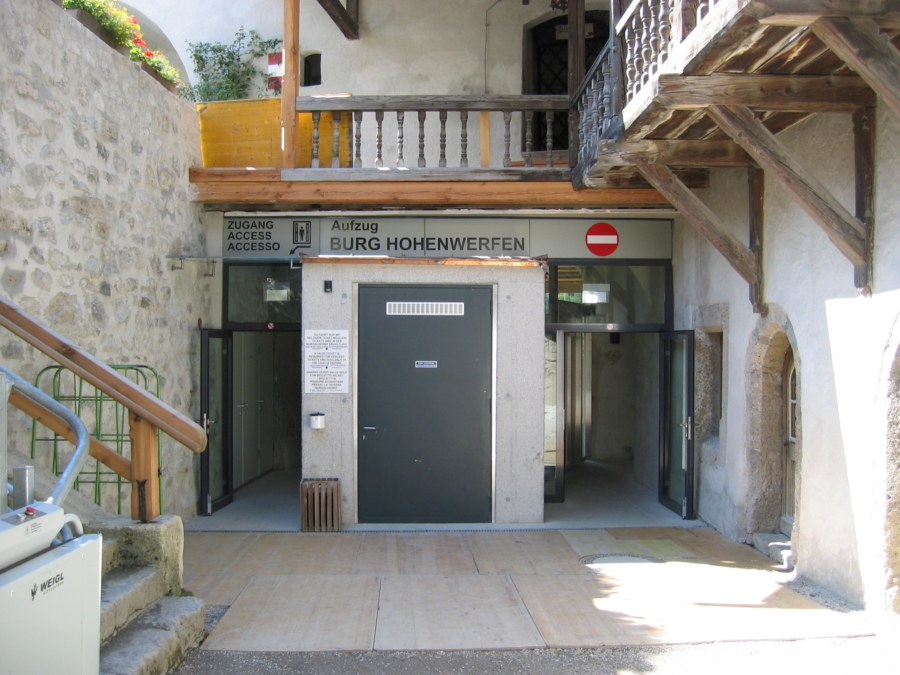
{"x":528,"y":117}
{"x":595,"y":103}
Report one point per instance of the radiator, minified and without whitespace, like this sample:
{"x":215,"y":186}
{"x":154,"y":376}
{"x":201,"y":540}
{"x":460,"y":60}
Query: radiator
{"x":320,"y":505}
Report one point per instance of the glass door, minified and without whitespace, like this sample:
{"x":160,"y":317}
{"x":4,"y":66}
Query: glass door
{"x":215,"y":462}
{"x":676,"y":466}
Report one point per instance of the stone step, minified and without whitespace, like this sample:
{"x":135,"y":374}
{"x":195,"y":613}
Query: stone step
{"x":124,"y":593}
{"x":110,"y":559}
{"x":157,"y":641}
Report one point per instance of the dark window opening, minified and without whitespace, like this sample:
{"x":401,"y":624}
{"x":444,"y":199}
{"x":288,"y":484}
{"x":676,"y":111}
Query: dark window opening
{"x":312,"y":70}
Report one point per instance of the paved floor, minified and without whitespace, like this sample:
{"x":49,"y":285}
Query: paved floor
{"x":364,"y":591}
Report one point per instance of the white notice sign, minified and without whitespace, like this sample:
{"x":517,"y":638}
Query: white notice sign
{"x":326,"y":367}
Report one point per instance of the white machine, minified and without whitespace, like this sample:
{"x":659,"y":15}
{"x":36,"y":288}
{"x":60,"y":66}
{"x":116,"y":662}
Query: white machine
{"x":49,"y":594}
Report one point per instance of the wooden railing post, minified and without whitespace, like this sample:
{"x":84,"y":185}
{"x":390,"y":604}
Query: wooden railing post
{"x":290,"y":85}
{"x":144,"y":469}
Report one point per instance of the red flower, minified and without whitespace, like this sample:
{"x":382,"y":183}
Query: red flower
{"x":131,"y":19}
{"x":140,"y":42}
{"x":148,"y":54}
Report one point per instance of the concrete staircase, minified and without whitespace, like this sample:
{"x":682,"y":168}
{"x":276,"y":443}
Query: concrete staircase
{"x":147,"y":625}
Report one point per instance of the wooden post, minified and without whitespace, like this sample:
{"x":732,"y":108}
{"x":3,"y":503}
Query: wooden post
{"x":576,"y":72}
{"x":290,"y":86}
{"x":757,"y":184}
{"x":485,"y":138}
{"x":864,"y":161}
{"x":144,"y":468}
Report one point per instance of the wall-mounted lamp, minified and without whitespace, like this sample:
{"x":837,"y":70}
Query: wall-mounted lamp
{"x":317,"y":420}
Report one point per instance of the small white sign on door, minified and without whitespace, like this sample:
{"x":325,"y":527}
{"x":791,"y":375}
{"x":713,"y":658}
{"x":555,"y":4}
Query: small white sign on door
{"x":326,"y":366}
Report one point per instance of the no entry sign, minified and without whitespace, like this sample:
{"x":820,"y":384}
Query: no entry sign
{"x":602,"y":239}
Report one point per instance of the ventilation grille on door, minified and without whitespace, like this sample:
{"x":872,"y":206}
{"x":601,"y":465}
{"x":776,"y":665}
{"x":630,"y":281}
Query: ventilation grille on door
{"x":426,"y":308}
{"x":320,"y":505}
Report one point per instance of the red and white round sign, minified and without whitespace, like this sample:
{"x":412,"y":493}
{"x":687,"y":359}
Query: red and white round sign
{"x":602,"y":239}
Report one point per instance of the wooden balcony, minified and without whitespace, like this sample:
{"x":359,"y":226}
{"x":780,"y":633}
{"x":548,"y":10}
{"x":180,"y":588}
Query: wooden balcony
{"x":709,"y":83}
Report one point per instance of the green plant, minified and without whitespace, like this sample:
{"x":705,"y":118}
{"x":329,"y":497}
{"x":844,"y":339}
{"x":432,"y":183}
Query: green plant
{"x":125,"y":31}
{"x":226,"y":72}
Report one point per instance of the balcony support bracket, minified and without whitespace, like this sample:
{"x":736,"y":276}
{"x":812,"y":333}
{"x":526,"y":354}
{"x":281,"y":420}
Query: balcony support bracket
{"x":846,"y":232}
{"x":701,"y":217}
{"x":346,"y":18}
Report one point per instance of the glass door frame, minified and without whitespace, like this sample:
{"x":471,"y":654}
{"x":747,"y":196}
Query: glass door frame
{"x":207,"y":505}
{"x":666,"y":381}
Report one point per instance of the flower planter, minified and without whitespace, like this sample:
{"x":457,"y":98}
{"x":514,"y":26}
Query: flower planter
{"x":159,"y":78}
{"x":94,"y":26}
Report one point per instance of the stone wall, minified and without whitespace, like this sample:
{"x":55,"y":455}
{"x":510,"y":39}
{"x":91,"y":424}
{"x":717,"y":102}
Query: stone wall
{"x":94,"y":194}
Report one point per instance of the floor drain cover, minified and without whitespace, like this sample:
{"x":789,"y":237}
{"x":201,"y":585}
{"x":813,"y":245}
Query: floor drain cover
{"x":603,"y":558}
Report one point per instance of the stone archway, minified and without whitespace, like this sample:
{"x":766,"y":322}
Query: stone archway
{"x":772,"y":348}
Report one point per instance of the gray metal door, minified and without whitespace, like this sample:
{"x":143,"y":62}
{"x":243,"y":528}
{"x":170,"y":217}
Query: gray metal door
{"x":424,"y":404}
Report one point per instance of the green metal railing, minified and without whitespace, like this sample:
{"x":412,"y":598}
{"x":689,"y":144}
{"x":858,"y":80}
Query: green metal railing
{"x":106,"y":420}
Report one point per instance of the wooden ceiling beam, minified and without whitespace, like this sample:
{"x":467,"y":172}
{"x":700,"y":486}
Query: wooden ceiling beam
{"x":846,"y":232}
{"x":347,"y":19}
{"x":860,"y":45}
{"x":703,"y":154}
{"x":805,"y":12}
{"x":701,"y":217}
{"x":387,"y":195}
{"x":794,"y":93}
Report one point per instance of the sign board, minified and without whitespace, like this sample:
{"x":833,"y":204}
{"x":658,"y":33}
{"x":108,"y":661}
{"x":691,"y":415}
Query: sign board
{"x":326,"y":364}
{"x":264,"y":236}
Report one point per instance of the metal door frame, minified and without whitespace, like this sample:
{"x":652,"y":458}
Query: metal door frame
{"x":687,"y":508}
{"x":354,"y":348}
{"x":206,"y":506}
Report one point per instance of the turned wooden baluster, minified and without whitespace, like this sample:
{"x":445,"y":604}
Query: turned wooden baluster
{"x":702,"y":10}
{"x":314,"y":162}
{"x":357,"y":158}
{"x":607,"y":96}
{"x":550,"y":139}
{"x":596,"y":103}
{"x":586,"y":131}
{"x":379,"y":121}
{"x":654,"y":42}
{"x":336,"y":156}
{"x":422,"y":139}
{"x":646,"y":51}
{"x":529,"y":126}
{"x":464,"y":139}
{"x":507,"y":118}
{"x":665,"y":30}
{"x":634,"y":61}
{"x":401,"y":118}
{"x":442,"y":162}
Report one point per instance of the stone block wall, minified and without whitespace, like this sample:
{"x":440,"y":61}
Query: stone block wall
{"x":94,"y":194}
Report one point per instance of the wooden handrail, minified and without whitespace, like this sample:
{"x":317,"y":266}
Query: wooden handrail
{"x":411,"y":103}
{"x":101,"y":376}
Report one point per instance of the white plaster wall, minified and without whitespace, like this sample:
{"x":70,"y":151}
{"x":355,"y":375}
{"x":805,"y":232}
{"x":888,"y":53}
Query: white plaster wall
{"x":518,"y":468}
{"x":839,"y":526}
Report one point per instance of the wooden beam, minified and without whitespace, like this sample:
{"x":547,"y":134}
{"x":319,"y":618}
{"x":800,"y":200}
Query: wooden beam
{"x":864,"y":163}
{"x":859,"y":44}
{"x":576,"y":71}
{"x":431,"y":103}
{"x":386,"y":195}
{"x":102,"y":453}
{"x":757,"y":185}
{"x":702,"y":219}
{"x":845,"y":231}
{"x":672,"y":153}
{"x":539,"y":174}
{"x":145,"y":469}
{"x":342,"y":18}
{"x":290,"y":85}
{"x":794,"y":93}
{"x":805,"y":12}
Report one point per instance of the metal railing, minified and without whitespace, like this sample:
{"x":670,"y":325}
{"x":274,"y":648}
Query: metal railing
{"x":76,"y":464}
